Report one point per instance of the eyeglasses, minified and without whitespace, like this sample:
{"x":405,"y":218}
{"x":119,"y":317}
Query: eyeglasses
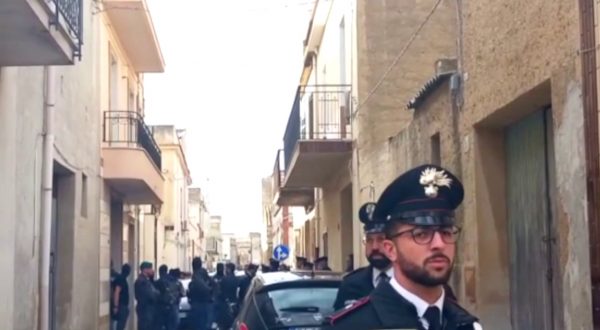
{"x":424,"y":235}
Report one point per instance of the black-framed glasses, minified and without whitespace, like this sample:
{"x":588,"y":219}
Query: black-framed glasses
{"x":424,"y":235}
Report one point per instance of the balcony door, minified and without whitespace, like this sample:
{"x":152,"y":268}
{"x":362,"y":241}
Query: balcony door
{"x":113,"y":81}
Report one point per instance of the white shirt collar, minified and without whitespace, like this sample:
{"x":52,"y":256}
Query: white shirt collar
{"x":376,"y":272}
{"x":419,"y":303}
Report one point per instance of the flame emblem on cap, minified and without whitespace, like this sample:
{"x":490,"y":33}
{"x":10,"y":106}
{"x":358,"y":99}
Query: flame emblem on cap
{"x":370,"y":210}
{"x":432,"y":179}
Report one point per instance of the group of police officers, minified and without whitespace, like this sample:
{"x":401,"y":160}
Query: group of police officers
{"x":410,"y":236}
{"x":211,"y":298}
{"x":410,"y":243}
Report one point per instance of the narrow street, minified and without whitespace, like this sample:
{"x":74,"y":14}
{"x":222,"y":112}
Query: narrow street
{"x":299,"y":164}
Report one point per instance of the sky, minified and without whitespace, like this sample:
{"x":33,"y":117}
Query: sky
{"x":232,"y":67}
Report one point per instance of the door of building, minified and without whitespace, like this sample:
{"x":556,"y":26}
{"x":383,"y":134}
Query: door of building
{"x":530,"y":230}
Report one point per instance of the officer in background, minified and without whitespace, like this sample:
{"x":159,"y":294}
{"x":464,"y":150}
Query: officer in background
{"x":120,"y":298}
{"x":245,"y":282}
{"x":168,"y":304}
{"x":175,"y":277}
{"x":147,"y":297}
{"x":274,"y":265}
{"x":322,"y":263}
{"x":420,"y":241}
{"x":362,"y":281}
{"x":198,"y":294}
{"x":229,"y":288}
{"x":300,"y":261}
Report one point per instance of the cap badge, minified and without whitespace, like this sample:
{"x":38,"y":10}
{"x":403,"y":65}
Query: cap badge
{"x":370,"y":210}
{"x":432,"y":179}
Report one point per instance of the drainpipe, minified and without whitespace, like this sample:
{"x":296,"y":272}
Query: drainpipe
{"x":592,"y":145}
{"x":8,"y":134}
{"x":46,"y":203}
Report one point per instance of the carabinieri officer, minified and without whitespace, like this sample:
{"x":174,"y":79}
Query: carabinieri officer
{"x":421,"y":237}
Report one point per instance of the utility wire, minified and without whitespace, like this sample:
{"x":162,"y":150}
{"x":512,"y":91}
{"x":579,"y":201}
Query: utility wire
{"x":398,"y":57}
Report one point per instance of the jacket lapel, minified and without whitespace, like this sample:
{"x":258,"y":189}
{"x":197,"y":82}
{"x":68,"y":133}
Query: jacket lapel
{"x":456,"y":317}
{"x":369,"y":278}
{"x":393,"y":311}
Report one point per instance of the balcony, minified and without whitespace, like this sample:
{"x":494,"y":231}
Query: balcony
{"x":286,"y":196}
{"x":132,"y":23}
{"x":132,"y":159}
{"x":213,"y":245}
{"x":40,"y":32}
{"x":318,"y":136}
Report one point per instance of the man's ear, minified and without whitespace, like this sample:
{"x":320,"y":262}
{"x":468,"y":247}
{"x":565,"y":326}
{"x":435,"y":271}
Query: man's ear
{"x":389,"y":249}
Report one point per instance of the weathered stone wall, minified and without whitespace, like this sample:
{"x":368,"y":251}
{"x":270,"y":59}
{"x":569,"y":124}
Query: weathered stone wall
{"x":77,"y":150}
{"x":518,"y":57}
{"x":383,"y":30}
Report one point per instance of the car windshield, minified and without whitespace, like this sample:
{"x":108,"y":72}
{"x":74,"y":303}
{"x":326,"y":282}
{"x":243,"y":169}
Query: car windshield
{"x":307,"y":306}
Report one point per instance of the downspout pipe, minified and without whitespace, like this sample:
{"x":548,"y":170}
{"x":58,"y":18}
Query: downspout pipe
{"x":46,"y":202}
{"x":592,"y":144}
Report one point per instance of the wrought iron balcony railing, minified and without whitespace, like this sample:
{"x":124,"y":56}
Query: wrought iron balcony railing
{"x":278,"y":173}
{"x":127,"y":129}
{"x":69,"y":13}
{"x":319,"y":112}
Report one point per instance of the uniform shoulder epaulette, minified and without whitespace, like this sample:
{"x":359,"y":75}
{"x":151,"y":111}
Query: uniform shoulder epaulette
{"x":354,"y":272}
{"x":349,"y":309}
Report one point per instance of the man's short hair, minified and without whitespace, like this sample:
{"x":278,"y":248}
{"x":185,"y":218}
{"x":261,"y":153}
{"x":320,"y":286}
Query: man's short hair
{"x":196,"y":263}
{"x":126,"y":269}
{"x":391,"y":228}
{"x":163,"y":269}
{"x":145,"y":265}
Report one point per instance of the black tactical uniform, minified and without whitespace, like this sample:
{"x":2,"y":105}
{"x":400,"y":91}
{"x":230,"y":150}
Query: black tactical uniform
{"x":229,"y":287}
{"x":147,"y":302}
{"x":384,"y":308}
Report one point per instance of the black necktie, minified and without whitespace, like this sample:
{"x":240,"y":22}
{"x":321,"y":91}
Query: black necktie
{"x":432,"y":315}
{"x":382,"y":277}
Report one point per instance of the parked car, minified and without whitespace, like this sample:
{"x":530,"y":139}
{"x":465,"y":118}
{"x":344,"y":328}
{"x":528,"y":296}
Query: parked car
{"x":288,"y":300}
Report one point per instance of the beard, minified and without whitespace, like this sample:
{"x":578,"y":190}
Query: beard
{"x":382,"y":262}
{"x":420,"y":275}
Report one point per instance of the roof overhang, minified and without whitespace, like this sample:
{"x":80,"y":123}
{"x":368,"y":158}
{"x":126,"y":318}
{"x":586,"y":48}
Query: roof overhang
{"x":132,"y":22}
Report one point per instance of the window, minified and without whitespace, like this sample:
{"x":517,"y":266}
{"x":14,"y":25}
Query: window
{"x":299,"y":307}
{"x":342,"y":61}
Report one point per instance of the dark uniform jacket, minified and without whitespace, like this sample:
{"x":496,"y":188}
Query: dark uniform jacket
{"x":359,"y":284}
{"x":199,"y":291}
{"x":147,"y":301}
{"x":384,"y":308}
{"x":355,"y":285}
{"x":229,"y":288}
{"x":244,"y":286}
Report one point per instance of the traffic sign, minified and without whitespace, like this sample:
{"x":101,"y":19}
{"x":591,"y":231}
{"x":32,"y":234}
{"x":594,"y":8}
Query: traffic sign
{"x":281,"y":252}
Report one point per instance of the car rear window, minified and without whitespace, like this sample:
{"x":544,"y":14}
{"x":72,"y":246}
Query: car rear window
{"x":296,"y":307}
